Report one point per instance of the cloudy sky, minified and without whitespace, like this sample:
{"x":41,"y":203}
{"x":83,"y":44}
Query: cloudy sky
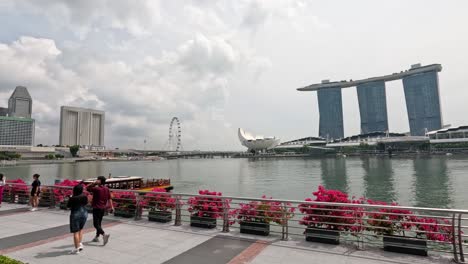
{"x":222,"y":64}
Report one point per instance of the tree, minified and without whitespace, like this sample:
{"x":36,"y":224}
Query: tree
{"x":74,"y":150}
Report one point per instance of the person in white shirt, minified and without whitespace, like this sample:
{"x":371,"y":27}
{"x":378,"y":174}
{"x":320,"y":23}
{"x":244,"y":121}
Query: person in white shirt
{"x":2,"y":185}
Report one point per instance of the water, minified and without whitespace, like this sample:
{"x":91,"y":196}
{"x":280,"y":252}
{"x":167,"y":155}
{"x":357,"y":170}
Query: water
{"x":437,"y":181}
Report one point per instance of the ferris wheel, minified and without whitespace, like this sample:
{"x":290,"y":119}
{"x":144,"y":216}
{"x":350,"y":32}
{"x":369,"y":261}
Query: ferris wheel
{"x":174,"y":142}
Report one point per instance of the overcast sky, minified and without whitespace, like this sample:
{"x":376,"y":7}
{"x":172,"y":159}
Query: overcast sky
{"x":220,"y":65}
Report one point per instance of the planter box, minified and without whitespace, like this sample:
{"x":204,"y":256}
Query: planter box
{"x":45,"y":199}
{"x":23,"y":200}
{"x":122,"y":213}
{"x":203,"y":222}
{"x":322,"y":236}
{"x":160,"y":216}
{"x":405,"y":245}
{"x":63,"y":205}
{"x":89,"y":208}
{"x":261,"y":229}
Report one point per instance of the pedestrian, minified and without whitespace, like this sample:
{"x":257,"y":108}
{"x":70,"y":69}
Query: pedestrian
{"x":2,"y":186}
{"x":101,"y":199}
{"x":78,"y":216}
{"x":35,"y":191}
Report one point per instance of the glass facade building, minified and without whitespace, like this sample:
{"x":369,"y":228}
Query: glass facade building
{"x":331,"y":113}
{"x":16,"y":131}
{"x":422,"y":102}
{"x":372,"y":107}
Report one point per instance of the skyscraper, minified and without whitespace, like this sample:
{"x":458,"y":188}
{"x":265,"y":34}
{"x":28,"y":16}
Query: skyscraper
{"x":331,"y":113}
{"x":422,"y":102}
{"x":421,"y":87}
{"x":372,"y":107}
{"x":81,"y":126}
{"x":20,"y":103}
{"x":16,"y":125}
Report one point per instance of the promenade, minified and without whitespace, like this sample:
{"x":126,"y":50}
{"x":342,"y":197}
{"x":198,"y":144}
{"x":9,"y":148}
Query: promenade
{"x":43,"y":237}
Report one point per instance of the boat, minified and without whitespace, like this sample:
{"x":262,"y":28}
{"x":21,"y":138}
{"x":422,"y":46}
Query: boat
{"x":135,"y":183}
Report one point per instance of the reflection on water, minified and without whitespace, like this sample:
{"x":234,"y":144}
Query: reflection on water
{"x":378,"y":179}
{"x":431,"y":183}
{"x":426,"y":182}
{"x":334,"y":174}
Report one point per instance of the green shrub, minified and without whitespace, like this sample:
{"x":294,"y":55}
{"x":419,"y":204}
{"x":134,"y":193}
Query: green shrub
{"x":7,"y":260}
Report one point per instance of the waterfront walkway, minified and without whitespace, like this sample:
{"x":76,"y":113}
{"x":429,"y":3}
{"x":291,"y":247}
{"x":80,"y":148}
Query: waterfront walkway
{"x":43,"y":237}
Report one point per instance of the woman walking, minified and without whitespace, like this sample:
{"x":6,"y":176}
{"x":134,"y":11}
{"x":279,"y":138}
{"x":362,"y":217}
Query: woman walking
{"x":78,"y":216}
{"x":2,"y":185}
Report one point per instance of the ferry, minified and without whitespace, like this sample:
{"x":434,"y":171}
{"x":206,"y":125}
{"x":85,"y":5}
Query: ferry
{"x":134,"y":183}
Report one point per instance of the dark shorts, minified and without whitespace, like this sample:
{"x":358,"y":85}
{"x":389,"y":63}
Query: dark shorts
{"x":34,"y":192}
{"x":77,"y":221}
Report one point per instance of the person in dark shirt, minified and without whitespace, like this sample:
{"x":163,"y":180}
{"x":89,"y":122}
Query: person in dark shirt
{"x":35,"y":191}
{"x":101,"y":198}
{"x":78,"y":216}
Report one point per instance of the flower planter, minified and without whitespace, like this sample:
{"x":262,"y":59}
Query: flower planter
{"x":406,"y":245}
{"x":322,"y":236}
{"x":124,"y":213}
{"x":23,"y":199}
{"x":203,"y":222}
{"x":45,"y":199}
{"x":160,"y":216}
{"x":261,"y":229}
{"x":89,"y":208}
{"x":63,"y":205}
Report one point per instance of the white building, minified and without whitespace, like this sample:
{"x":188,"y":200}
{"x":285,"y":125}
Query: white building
{"x":257,"y":143}
{"x":81,"y":126}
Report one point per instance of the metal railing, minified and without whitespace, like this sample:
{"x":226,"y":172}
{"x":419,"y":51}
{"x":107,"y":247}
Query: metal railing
{"x":411,"y":229}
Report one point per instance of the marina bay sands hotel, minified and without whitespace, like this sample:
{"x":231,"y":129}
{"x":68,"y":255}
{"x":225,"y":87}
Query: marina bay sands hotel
{"x":421,"y":87}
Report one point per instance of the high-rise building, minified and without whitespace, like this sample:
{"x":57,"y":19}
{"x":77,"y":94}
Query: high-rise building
{"x":331,"y":113}
{"x":421,"y":86}
{"x":81,"y":126}
{"x":16,"y":131}
{"x":16,"y":124}
{"x":20,"y":103}
{"x":422,"y":102}
{"x":3,"y":111}
{"x":372,"y":107}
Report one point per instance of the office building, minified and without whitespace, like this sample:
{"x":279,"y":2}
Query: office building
{"x":81,"y":126}
{"x":16,"y":131}
{"x":20,"y":103}
{"x":16,"y":125}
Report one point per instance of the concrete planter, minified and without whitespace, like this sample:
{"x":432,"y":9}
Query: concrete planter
{"x":23,"y":199}
{"x":45,"y":200}
{"x":124,"y":213}
{"x":406,"y":245}
{"x":160,"y":216}
{"x":322,"y":236}
{"x":203,"y":222}
{"x":261,"y":229}
{"x":63,"y":205}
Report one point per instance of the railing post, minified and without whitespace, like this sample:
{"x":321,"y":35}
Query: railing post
{"x":460,"y":239}
{"x":225,"y":215}
{"x":139,"y":208}
{"x":51,"y":197}
{"x":178,"y":215}
{"x":455,"y":255}
{"x":285,"y":223}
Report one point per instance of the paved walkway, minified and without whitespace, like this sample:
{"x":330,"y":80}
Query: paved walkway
{"x":42,"y":237}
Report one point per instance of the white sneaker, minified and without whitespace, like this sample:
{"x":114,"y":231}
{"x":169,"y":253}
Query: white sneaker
{"x":81,"y":247}
{"x":33,"y":209}
{"x":75,"y":251}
